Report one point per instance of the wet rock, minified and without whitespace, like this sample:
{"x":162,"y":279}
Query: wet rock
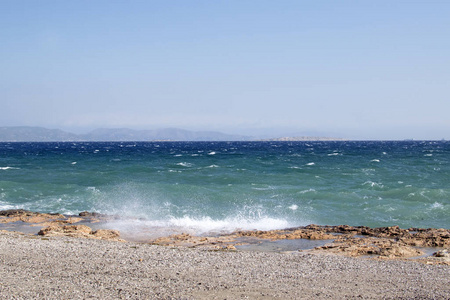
{"x":97,"y":217}
{"x":14,"y":212}
{"x":290,"y":234}
{"x":429,"y":238}
{"x":15,"y":215}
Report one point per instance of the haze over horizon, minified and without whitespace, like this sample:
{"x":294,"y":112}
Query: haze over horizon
{"x":357,"y":70}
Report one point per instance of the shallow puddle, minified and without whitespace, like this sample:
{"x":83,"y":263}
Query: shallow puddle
{"x":282,"y":245}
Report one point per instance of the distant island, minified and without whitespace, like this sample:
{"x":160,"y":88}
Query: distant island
{"x":40,"y":134}
{"x":302,"y":138}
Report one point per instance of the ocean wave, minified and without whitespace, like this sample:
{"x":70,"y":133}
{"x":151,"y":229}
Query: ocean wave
{"x":373,"y":184}
{"x":293,"y":207}
{"x":184,"y":164}
{"x":307,"y":191}
{"x":437,"y":205}
{"x":334,"y":154}
{"x":197,"y":225}
{"x":9,"y":168}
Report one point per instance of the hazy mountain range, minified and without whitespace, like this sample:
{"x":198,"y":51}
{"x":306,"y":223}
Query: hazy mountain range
{"x":40,"y":134}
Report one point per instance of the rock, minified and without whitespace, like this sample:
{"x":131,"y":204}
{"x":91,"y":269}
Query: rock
{"x":65,"y":230}
{"x":82,"y":231}
{"x":290,"y":234}
{"x":106,"y":234}
{"x":442,"y":253}
{"x":15,"y":215}
{"x":382,"y":247}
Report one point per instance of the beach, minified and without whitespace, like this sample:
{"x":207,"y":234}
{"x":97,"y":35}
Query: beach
{"x":36,"y":267}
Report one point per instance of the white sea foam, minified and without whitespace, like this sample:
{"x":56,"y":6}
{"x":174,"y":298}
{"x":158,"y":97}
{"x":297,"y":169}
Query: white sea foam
{"x":7,"y":206}
{"x":213,"y":166}
{"x":293,"y":207}
{"x":310,"y":164}
{"x":307,"y":191}
{"x":373,"y":184}
{"x":429,"y":154}
{"x":375,"y":160}
{"x":9,"y":168}
{"x":437,"y":205}
{"x":267,"y":188}
{"x":184,"y":164}
{"x":212,"y":153}
{"x":334,"y":154}
{"x":74,"y":163}
{"x":146,"y":229}
{"x":206,"y":224}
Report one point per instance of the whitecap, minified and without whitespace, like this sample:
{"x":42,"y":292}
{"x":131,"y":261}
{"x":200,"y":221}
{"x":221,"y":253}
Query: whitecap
{"x":184,"y":164}
{"x":429,"y":154}
{"x":293,"y":207}
{"x":74,"y":163}
{"x":437,"y":205}
{"x":9,"y":168}
{"x":178,"y":155}
{"x":375,"y":160}
{"x":212,"y":153}
{"x":372,"y":184}
{"x":310,"y":164}
{"x":307,"y":191}
{"x":213,"y":166}
{"x":334,"y":154}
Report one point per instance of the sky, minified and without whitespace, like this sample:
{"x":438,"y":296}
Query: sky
{"x":351,"y":69}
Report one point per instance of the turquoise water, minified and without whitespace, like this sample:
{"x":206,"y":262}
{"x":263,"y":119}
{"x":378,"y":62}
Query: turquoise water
{"x":204,"y":186}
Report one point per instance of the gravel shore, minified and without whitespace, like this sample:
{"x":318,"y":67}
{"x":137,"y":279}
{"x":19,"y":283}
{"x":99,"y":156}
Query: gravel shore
{"x":34,"y":267}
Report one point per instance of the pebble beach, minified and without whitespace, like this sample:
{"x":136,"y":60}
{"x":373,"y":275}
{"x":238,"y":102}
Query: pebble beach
{"x":35,"y":267}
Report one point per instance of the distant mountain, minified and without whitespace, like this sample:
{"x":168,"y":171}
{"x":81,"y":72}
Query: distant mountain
{"x":39,"y":134}
{"x":171,"y":134}
{"x":303,"y":138}
{"x":35,"y":134}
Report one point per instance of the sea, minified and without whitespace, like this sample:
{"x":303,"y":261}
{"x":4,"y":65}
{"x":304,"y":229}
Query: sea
{"x":206,"y":187}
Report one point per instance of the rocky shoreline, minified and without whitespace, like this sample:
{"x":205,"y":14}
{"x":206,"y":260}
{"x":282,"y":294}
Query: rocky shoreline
{"x":385,"y":243}
{"x":99,"y":264}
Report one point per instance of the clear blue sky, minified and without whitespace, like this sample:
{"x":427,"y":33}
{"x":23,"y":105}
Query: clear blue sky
{"x":355,"y":69}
